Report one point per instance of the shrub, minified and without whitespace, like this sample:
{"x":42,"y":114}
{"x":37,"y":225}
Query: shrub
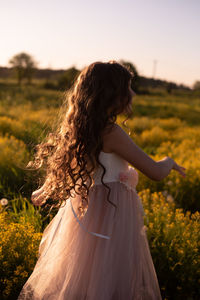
{"x":26,"y":124}
{"x":139,"y":124}
{"x":154,"y":137}
{"x":174,"y":242}
{"x":19,"y":207}
{"x":18,"y":253}
{"x":171,"y":124}
{"x":10,"y":126}
{"x":13,"y":154}
{"x":186,"y":191}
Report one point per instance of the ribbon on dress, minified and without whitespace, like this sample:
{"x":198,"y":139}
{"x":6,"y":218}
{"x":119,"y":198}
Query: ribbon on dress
{"x":94,"y":233}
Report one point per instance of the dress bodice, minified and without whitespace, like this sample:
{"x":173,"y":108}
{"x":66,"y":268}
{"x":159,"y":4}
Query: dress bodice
{"x":113,"y":165}
{"x":117,"y":169}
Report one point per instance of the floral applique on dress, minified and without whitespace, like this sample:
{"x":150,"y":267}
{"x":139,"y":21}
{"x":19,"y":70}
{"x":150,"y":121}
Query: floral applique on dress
{"x":130,"y":179}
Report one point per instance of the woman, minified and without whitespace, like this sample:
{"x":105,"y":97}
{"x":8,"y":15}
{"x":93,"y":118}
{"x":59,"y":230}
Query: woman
{"x":95,"y":248}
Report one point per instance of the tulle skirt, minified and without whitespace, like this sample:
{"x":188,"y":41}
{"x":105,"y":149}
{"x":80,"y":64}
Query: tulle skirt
{"x":76,"y":265}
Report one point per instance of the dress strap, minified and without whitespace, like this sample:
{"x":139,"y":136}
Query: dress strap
{"x":94,"y":233}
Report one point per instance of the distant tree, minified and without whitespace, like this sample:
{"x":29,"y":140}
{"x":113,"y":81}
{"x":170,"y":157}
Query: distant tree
{"x":196,"y":85}
{"x":66,"y":80}
{"x":24,"y":66}
{"x":170,"y":86}
{"x":136,"y":80}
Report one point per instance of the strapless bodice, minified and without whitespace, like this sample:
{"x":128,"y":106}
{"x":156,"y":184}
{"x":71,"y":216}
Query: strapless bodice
{"x":117,"y":169}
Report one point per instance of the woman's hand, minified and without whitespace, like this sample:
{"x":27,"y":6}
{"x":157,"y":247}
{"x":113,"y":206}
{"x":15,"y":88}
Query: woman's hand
{"x":37,"y":197}
{"x":179,"y":169}
{"x":166,"y":165}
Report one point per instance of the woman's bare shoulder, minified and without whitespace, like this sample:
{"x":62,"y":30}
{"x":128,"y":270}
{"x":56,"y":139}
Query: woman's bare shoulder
{"x":111,"y":134}
{"x":108,"y":137}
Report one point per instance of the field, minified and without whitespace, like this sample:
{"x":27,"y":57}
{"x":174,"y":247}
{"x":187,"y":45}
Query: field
{"x":163,"y":125}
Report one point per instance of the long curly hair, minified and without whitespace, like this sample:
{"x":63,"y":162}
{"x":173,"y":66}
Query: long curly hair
{"x":71,"y":154}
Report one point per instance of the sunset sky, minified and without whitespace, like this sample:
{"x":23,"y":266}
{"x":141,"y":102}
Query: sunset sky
{"x":63,"y":33}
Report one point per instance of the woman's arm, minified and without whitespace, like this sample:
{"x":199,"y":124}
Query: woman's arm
{"x":119,"y":141}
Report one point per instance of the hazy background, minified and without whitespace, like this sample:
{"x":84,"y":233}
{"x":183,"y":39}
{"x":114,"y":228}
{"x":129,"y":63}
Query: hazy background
{"x":43,"y":47}
{"x":161,"y":38}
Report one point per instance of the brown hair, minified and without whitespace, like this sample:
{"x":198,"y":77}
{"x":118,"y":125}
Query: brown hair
{"x":70,"y":155}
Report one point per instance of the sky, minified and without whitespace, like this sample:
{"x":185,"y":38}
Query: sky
{"x":160,"y":37}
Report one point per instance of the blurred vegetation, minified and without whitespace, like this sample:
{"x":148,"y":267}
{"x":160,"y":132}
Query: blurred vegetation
{"x":19,"y":243}
{"x":66,"y":80}
{"x":24,"y":66}
{"x":164,"y":124}
{"x":196,"y":85}
{"x":174,"y":239}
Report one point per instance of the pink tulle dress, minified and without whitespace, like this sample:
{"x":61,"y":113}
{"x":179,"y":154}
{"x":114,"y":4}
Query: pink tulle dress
{"x":96,"y":255}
